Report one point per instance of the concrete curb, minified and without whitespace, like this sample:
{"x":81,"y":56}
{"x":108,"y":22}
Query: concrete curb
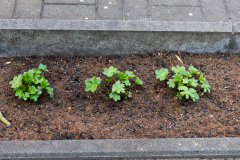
{"x":168,"y":148}
{"x":25,"y":37}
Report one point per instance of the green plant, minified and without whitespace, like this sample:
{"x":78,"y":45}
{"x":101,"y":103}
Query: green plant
{"x":30,"y":84}
{"x":184,"y":81}
{"x":118,"y":87}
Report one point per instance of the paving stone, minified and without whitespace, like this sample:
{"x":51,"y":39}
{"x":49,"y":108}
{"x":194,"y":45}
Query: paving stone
{"x":175,"y":2}
{"x":234,"y":9}
{"x":71,"y":1}
{"x":69,"y":12}
{"x":28,"y":9}
{"x":110,"y":10}
{"x":214,"y":11}
{"x":7,"y":8}
{"x":163,"y":13}
{"x":136,"y":12}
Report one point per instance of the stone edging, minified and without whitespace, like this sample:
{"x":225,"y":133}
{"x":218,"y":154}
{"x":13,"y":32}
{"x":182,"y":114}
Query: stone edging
{"x":183,"y":148}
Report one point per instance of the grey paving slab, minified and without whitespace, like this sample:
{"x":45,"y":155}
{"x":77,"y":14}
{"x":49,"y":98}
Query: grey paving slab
{"x":69,"y":12}
{"x":175,"y":2}
{"x":166,"y":13}
{"x":214,"y":11}
{"x":110,"y":10}
{"x":6,"y":9}
{"x":234,"y":9}
{"x":28,"y":9}
{"x":133,"y":11}
{"x":71,"y":1}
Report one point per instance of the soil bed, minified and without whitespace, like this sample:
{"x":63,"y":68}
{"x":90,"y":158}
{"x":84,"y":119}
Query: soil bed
{"x":154,"y":111}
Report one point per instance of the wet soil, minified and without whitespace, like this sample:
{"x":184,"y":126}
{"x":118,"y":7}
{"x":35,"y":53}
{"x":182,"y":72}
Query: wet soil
{"x":154,"y":111}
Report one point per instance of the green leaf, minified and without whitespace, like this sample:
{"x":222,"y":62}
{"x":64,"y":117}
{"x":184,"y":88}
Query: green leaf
{"x":188,"y":74}
{"x":19,"y":91}
{"x":39,"y":90}
{"x":109,"y":79}
{"x":16,"y":82}
{"x":34,"y":97}
{"x":205,"y":86}
{"x":37,"y":71}
{"x":122,"y":76}
{"x":92,"y":84}
{"x":183,"y":72}
{"x":38,"y":80}
{"x":25,"y":95}
{"x":115,"y":96}
{"x":178,"y":69}
{"x":161,"y":74}
{"x":179,"y":95}
{"x":193,"y":82}
{"x":193,"y":70}
{"x":195,"y":97}
{"x":185,"y":80}
{"x":42,"y":67}
{"x":109,"y":71}
{"x":180,"y":86}
{"x":50,"y":91}
{"x":44,"y":83}
{"x":171,"y":83}
{"x":126,"y":82}
{"x":138,"y":81}
{"x":32,"y":90}
{"x":201,"y":78}
{"x":189,"y":92}
{"x":177,"y":77}
{"x":130,"y":74}
{"x":118,"y":87}
{"x":28,"y":77}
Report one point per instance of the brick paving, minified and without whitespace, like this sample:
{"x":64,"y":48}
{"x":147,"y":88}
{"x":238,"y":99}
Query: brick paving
{"x":132,"y":10}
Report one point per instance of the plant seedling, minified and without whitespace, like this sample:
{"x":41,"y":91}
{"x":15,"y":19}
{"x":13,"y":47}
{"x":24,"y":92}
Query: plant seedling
{"x":30,"y":84}
{"x":184,"y":81}
{"x":119,"y":83}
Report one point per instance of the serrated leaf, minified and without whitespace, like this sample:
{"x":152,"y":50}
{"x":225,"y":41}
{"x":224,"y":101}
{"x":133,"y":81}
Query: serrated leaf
{"x":32,"y":90}
{"x":180,"y":86}
{"x":42,"y":67}
{"x":115,"y":96}
{"x":118,"y":87}
{"x":16,"y":82}
{"x":27,"y":77}
{"x":138,"y":81}
{"x":193,"y":70}
{"x":178,"y":69}
{"x":39,"y":90}
{"x":50,"y":91}
{"x":92,"y":84}
{"x":130,"y":74}
{"x":179,"y":95}
{"x":44,"y":83}
{"x":188,"y":74}
{"x":19,"y":91}
{"x":37,"y":71}
{"x":34,"y":97}
{"x":185,"y":80}
{"x":122,"y":76}
{"x":109,"y":71}
{"x":126,"y":82}
{"x":193,"y":82}
{"x":178,"y":77}
{"x":161,"y":74}
{"x":171,"y":83}
{"x":25,"y":95}
{"x":183,"y":72}
{"x":188,"y":92}
{"x":205,"y":86}
{"x":201,"y":78}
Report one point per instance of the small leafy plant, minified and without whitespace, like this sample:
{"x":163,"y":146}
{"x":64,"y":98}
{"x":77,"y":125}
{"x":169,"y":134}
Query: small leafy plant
{"x":118,"y":87}
{"x":184,"y":81}
{"x":30,"y":84}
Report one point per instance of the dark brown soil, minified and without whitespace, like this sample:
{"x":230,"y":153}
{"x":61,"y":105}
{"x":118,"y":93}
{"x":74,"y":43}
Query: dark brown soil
{"x":154,"y":111}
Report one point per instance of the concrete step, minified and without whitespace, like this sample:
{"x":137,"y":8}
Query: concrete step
{"x":114,"y":27}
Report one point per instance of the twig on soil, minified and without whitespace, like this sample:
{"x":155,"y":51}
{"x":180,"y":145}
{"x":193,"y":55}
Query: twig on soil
{"x":2,"y":119}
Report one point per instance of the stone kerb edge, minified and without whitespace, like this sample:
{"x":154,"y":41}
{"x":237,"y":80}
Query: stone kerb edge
{"x":125,"y":148}
{"x":107,"y":25}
